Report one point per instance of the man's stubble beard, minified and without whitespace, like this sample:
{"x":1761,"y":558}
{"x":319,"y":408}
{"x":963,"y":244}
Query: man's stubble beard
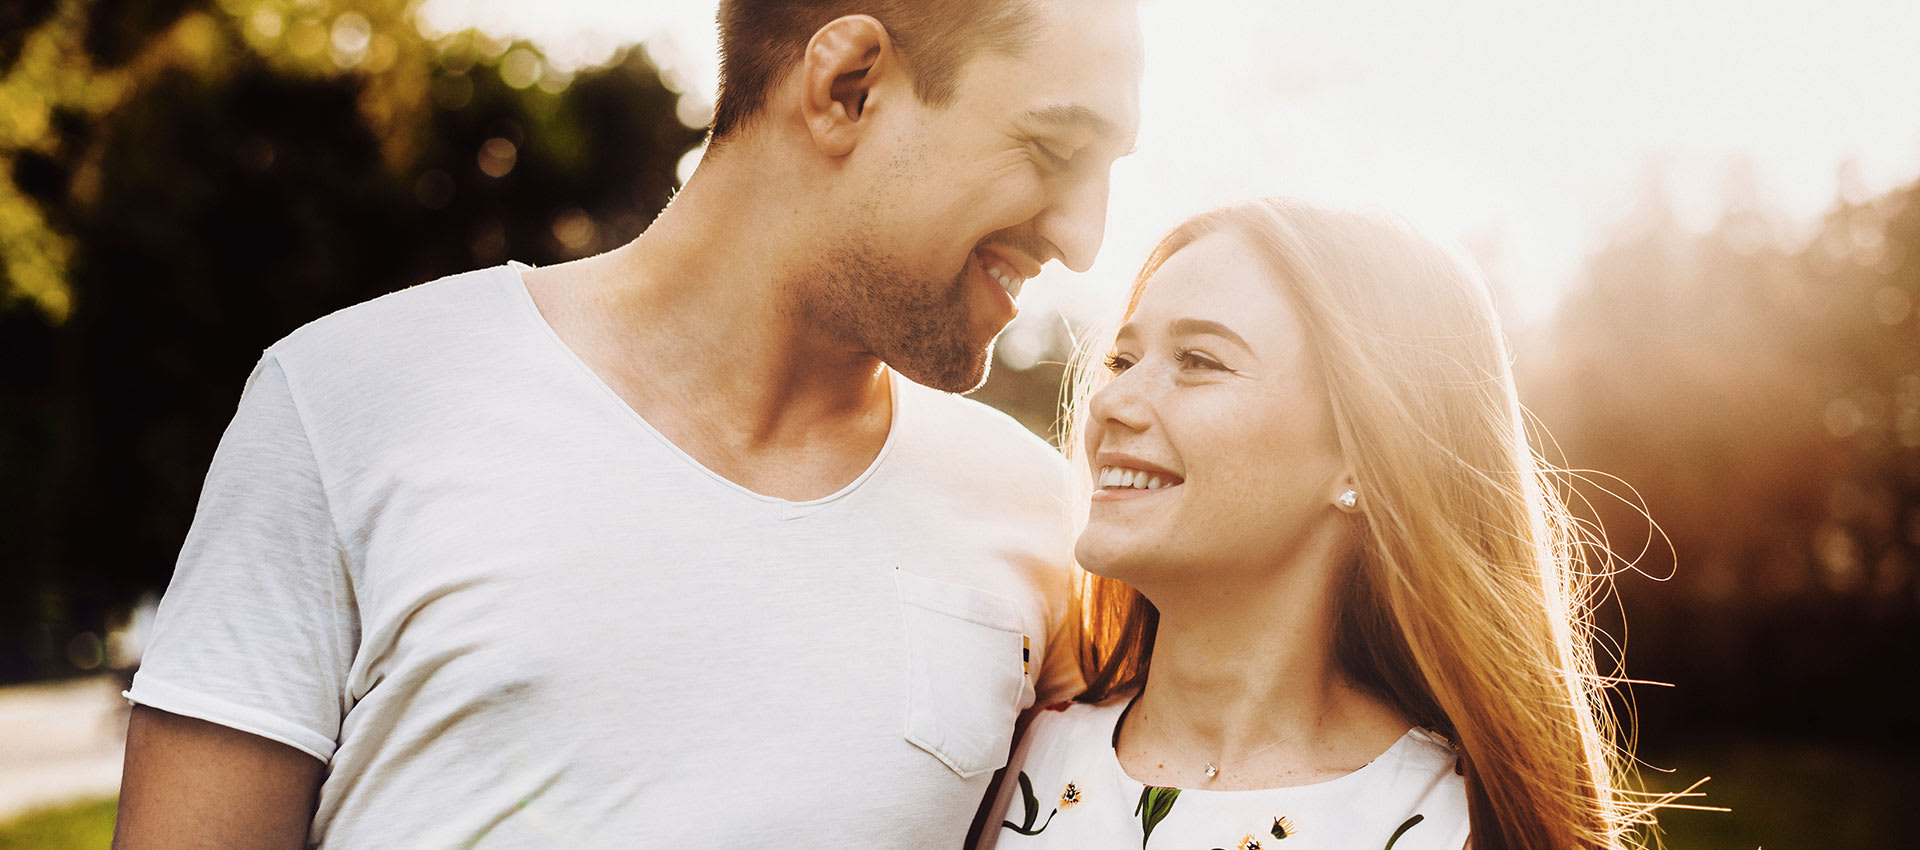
{"x":924,"y":332}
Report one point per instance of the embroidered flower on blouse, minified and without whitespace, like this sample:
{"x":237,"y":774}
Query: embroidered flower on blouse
{"x":1283,"y":828}
{"x":1070,"y":796}
{"x":1249,"y":843}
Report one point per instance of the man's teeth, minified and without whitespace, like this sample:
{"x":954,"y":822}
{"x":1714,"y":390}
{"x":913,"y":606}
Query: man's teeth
{"x":1121,"y":478}
{"x":1008,"y":280}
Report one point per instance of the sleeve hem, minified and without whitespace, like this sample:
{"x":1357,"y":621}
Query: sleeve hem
{"x":169,"y":698}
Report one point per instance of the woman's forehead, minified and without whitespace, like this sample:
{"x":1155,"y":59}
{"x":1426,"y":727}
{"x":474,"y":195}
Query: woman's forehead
{"x":1218,"y":278}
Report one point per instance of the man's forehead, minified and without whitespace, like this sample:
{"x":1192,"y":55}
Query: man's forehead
{"x":1086,"y":72}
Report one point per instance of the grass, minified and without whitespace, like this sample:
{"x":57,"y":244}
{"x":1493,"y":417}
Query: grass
{"x":80,"y":826}
{"x":1783,"y":797}
{"x":1792,"y":797}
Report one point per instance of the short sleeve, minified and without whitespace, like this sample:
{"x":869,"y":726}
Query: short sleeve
{"x":257,"y":627}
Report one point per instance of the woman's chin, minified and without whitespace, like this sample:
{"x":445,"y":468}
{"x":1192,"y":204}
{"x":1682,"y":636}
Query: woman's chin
{"x":1107,"y":558}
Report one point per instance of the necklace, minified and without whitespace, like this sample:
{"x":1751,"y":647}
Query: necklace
{"x":1212,"y":770}
{"x":1213,"y":766}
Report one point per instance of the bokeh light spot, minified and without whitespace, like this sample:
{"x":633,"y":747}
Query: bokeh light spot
{"x":489,"y":242}
{"x":575,"y":231}
{"x":265,"y":23}
{"x":1844,"y":418}
{"x":689,"y":161}
{"x":382,"y":52}
{"x":497,"y":157}
{"x":554,"y":80}
{"x":694,"y":111}
{"x":520,"y":68}
{"x":1892,"y":305}
{"x":352,"y":35}
{"x":86,"y":651}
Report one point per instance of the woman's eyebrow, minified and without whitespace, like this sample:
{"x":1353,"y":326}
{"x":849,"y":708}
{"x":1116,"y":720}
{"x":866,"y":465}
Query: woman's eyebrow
{"x":1208,"y":327}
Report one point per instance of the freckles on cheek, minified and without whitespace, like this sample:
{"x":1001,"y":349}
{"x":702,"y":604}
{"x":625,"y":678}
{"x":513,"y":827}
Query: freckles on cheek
{"x":1250,"y":458}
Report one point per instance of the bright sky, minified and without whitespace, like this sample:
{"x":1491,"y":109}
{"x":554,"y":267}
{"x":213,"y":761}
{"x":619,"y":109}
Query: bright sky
{"x":1523,"y":128}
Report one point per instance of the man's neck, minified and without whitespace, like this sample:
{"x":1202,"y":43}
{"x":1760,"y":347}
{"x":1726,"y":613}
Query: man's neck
{"x":692,"y":325}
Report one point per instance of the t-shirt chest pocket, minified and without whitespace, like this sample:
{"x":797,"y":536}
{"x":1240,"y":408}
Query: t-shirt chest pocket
{"x":967,"y":656}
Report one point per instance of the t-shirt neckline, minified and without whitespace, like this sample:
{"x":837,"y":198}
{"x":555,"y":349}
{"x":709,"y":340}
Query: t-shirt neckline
{"x":790,"y":509}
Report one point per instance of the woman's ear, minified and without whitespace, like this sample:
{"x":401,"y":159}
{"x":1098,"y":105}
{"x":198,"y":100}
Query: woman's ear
{"x":837,"y":73}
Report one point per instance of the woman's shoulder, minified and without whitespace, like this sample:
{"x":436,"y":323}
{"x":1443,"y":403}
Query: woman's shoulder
{"x":1428,"y":749}
{"x":1069,"y":732}
{"x":1078,"y":718}
{"x":1074,"y":724}
{"x":1416,"y":788}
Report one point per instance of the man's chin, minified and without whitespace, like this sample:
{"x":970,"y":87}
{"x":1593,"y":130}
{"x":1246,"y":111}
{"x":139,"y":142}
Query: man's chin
{"x":948,"y":374}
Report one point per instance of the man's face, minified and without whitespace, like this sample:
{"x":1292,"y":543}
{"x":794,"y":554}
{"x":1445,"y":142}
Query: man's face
{"x":975,"y":196}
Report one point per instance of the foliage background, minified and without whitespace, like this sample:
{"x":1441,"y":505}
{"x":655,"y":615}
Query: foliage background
{"x":182,"y":182}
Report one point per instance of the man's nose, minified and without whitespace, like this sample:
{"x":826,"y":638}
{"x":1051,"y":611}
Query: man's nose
{"x":1077,"y":222}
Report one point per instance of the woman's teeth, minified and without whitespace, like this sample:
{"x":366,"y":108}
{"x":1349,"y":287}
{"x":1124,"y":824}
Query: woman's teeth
{"x":1121,"y":478}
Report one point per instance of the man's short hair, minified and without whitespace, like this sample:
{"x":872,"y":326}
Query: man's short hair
{"x":762,"y":40}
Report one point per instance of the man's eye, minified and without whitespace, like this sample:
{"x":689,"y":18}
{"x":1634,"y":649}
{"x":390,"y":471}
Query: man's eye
{"x":1117,"y":363}
{"x":1053,"y":158}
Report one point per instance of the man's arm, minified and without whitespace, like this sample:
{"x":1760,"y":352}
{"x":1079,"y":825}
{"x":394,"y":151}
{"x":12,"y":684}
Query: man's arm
{"x":193,"y":784}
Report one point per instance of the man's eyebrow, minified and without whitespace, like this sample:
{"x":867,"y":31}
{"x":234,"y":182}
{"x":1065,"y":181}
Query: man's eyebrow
{"x":1208,"y":327}
{"x":1077,"y":115}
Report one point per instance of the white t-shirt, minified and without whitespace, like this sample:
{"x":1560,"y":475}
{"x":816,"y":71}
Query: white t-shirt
{"x":1065,"y":789}
{"x":435,"y":551}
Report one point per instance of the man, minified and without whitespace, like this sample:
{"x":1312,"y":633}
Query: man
{"x":677,"y":546}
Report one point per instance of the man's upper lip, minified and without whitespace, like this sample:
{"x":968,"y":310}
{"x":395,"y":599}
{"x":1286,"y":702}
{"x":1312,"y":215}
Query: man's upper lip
{"x":1024,"y":266}
{"x":1120,"y":459}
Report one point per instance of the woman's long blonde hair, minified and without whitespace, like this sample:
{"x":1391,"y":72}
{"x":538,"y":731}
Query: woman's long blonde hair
{"x":1468,"y":606}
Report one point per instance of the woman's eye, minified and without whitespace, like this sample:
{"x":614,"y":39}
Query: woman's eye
{"x":1117,"y":363}
{"x":1186,"y":357}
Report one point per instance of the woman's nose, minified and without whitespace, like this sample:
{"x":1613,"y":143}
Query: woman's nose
{"x":1122,"y":402}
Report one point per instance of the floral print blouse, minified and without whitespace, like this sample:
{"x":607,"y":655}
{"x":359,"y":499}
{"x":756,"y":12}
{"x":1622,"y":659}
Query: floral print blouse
{"x":1064,"y":788}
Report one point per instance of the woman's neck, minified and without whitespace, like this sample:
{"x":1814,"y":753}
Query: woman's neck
{"x":1248,"y":682}
{"x":1232,"y":674}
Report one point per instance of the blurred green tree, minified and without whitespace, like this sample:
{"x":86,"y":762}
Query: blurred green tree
{"x":186,"y":181}
{"x":1763,"y":398}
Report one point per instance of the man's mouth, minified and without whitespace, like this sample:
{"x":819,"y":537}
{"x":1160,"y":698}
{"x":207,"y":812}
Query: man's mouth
{"x":1002,"y":273}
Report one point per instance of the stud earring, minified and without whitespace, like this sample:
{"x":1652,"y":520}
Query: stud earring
{"x":1349,"y":498}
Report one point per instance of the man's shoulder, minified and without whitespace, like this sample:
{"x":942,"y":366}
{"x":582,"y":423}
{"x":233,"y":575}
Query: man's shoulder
{"x":969,"y":427}
{"x":399,"y":322}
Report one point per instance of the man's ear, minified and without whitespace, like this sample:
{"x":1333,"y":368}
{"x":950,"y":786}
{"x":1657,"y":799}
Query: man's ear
{"x":836,"y":76}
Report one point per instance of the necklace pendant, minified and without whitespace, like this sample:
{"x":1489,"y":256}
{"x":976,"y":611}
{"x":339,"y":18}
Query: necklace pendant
{"x":1212,"y":770}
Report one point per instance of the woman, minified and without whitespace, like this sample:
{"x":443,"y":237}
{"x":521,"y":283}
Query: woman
{"x":1331,"y":599}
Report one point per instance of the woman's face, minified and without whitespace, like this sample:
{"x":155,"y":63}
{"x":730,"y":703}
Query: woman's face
{"x":1213,"y":447}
